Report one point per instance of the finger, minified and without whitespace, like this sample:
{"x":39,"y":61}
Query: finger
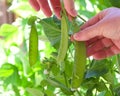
{"x":94,"y":19}
{"x":116,"y":43}
{"x":70,"y":8}
{"x":89,"y":33}
{"x":91,"y":21}
{"x":56,"y":7}
{"x":99,"y":45}
{"x":34,"y":4}
{"x":45,"y":7}
{"x":94,"y":27}
{"x":106,"y":53}
{"x":93,"y":40}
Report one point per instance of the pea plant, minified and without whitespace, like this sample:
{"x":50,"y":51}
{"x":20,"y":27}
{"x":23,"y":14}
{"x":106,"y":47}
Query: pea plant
{"x":68,"y":71}
{"x":61,"y":67}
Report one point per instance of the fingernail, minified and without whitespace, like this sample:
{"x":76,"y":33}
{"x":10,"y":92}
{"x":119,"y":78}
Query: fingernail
{"x":76,"y":36}
{"x":73,"y":12}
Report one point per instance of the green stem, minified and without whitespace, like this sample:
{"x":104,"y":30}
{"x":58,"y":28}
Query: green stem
{"x":81,"y":18}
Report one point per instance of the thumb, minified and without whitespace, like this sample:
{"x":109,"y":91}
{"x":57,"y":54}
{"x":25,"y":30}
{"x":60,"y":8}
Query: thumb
{"x":87,"y":33}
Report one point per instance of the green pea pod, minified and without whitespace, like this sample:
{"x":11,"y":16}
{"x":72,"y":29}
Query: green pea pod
{"x":33,"y":45}
{"x":79,"y":60}
{"x":64,"y":39}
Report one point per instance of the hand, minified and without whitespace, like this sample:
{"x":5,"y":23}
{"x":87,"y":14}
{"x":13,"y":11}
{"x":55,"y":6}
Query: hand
{"x":44,"y":6}
{"x":102,"y":34}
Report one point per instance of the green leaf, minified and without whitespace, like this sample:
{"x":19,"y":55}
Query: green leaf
{"x":34,"y":92}
{"x":13,"y":78}
{"x":52,"y":31}
{"x":115,"y":3}
{"x":109,"y":77}
{"x":55,"y":70}
{"x":99,"y":68}
{"x":117,"y":90}
{"x":6,"y":72}
{"x":89,"y":83}
{"x":10,"y":34}
{"x":100,"y":86}
{"x":7,"y":30}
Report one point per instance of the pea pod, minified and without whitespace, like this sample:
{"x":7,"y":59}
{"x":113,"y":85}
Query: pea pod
{"x":64,"y":39}
{"x":79,"y":60}
{"x":33,"y":45}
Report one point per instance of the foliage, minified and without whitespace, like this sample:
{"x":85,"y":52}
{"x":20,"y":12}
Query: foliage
{"x":46,"y":77}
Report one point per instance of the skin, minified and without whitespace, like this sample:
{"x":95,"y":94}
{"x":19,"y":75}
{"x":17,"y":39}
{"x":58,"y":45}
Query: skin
{"x":56,"y":7}
{"x":102,"y":34}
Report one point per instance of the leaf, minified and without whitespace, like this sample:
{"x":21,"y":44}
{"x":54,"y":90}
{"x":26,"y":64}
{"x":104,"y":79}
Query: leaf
{"x":7,"y":30}
{"x":99,"y":68}
{"x":6,"y":73}
{"x":109,"y":77}
{"x":52,"y":31}
{"x":34,"y":92}
{"x":100,"y":86}
{"x":117,"y":90}
{"x":10,"y":34}
{"x":55,"y":70}
{"x":115,"y":3}
{"x":14,"y":78}
{"x":89,"y":83}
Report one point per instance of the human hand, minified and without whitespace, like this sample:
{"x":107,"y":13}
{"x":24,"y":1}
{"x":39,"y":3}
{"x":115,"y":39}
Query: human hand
{"x":102,"y":34}
{"x":56,"y":6}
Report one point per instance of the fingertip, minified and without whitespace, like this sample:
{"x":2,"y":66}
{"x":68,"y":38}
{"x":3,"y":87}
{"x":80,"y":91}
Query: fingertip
{"x":80,"y":36}
{"x":76,"y":37}
{"x":73,"y":12}
{"x":35,"y":5}
{"x":97,"y":57}
{"x":70,"y":7}
{"x":48,"y":14}
{"x":57,"y":13}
